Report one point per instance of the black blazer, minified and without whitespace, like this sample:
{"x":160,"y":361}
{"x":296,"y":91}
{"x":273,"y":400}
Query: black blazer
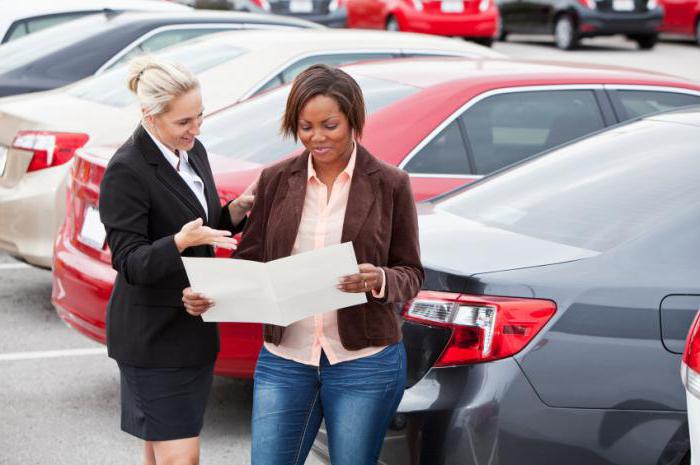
{"x":143,"y":203}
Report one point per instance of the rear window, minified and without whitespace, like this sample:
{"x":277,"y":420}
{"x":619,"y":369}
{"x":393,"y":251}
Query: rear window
{"x":251,"y":130}
{"x":593,"y":194}
{"x":25,"y":50}
{"x":111,"y":89}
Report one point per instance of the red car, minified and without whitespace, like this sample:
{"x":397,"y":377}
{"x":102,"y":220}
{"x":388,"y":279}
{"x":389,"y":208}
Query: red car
{"x":682,"y":17}
{"x":445,"y":121}
{"x":472,"y":19}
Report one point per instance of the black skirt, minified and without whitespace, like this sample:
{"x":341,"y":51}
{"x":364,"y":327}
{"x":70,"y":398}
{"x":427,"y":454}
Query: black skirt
{"x":162,"y":404}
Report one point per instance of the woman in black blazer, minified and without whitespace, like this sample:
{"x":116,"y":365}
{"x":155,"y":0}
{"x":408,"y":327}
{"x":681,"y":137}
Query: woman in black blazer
{"x":158,"y":202}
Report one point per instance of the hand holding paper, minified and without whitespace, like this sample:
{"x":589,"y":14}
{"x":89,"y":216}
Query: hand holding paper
{"x":278,"y":292}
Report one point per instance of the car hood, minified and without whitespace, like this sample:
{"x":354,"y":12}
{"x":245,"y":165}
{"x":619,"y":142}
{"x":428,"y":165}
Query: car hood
{"x":461,"y":246}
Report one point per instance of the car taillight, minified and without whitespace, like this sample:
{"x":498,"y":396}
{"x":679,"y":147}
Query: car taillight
{"x":691,"y":358}
{"x":50,"y":148}
{"x":484,"y":328}
{"x":588,"y":4}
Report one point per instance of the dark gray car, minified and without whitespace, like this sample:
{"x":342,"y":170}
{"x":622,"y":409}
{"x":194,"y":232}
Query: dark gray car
{"x":557,"y":298}
{"x":66,"y":53}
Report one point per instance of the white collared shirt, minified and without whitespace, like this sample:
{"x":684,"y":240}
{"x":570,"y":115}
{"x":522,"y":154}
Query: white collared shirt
{"x":186,"y":172}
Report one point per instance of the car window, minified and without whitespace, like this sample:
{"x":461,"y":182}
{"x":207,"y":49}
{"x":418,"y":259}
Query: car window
{"x":505,"y":128}
{"x":27,"y":26}
{"x":164,"y":39}
{"x":336,"y":59}
{"x":110,"y":88}
{"x":444,"y":154}
{"x":25,"y":50}
{"x":643,"y":102}
{"x":251,"y":130}
{"x":594,"y":194}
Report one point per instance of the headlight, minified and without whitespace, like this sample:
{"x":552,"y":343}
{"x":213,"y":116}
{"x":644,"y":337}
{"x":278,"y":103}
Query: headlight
{"x":652,"y":4}
{"x":333,"y":5}
{"x":418,"y":5}
{"x":484,"y":5}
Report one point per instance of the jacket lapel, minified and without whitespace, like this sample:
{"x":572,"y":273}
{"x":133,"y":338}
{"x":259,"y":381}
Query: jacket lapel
{"x":290,"y":208}
{"x":361,"y":197}
{"x":166,"y":173}
{"x":213,"y":203}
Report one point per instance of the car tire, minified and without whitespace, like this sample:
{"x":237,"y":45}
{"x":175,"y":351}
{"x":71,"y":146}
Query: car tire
{"x":646,"y":41}
{"x":392,"y":24}
{"x":485,"y":41}
{"x":501,"y":34}
{"x":565,"y":33}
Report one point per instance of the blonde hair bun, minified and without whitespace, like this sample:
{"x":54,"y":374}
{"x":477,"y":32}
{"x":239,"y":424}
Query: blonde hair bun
{"x":157,"y":81}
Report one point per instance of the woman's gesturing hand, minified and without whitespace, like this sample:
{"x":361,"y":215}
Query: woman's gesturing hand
{"x":195,"y":233}
{"x":242,"y":204}
{"x":195,"y":303}
{"x":369,"y":278}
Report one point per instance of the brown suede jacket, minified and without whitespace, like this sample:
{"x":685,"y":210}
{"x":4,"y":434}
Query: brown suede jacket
{"x":381,"y":222}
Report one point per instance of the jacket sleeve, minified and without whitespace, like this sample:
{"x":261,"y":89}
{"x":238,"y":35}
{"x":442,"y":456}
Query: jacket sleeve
{"x":253,"y":240}
{"x":225,"y":223}
{"x":404,"y":272}
{"x":124,"y":210}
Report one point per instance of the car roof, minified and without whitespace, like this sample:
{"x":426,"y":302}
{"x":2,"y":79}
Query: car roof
{"x":169,"y":17}
{"x":299,"y":41}
{"x":13,"y":10}
{"x":435,"y":71}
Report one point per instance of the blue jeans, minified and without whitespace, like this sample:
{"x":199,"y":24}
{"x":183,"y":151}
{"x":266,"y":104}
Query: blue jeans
{"x":357,"y":400}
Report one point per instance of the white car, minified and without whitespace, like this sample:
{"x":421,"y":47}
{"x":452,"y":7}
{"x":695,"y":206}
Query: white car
{"x":20,"y":18}
{"x":41,"y":131}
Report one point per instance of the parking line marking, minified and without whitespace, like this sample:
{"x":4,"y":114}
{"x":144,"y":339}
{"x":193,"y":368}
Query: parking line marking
{"x":13,"y":266}
{"x":42,"y":354}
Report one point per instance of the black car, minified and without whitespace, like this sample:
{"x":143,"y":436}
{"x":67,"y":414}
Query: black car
{"x":572,"y":20}
{"x":66,"y":53}
{"x":330,"y":13}
{"x":557,"y":298}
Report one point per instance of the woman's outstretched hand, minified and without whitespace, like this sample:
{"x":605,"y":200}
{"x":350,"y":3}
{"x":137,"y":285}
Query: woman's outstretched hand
{"x":195,"y":233}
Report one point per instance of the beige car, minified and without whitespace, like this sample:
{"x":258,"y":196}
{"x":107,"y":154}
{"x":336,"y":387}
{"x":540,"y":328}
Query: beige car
{"x":40,"y":132}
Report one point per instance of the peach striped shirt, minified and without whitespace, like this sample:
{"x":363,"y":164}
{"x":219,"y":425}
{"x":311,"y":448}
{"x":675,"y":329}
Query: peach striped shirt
{"x":321,"y":226}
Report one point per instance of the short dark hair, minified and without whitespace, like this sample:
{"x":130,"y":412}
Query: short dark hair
{"x":331,"y":82}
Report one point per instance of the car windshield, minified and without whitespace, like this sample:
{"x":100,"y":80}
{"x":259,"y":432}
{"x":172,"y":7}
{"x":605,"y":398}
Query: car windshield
{"x":595,"y":193}
{"x":251,"y":130}
{"x":27,"y":49}
{"x":110,"y":89}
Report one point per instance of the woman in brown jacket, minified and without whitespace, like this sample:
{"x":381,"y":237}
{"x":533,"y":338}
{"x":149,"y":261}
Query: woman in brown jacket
{"x":347,"y":366}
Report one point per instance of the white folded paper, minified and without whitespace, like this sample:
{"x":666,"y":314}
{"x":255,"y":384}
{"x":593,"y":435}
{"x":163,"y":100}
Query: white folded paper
{"x":279,"y":292}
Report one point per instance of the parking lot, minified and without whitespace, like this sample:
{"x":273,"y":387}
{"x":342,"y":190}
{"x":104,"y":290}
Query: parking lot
{"x":59,"y":396}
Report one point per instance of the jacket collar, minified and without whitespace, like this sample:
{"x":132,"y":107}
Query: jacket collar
{"x":167,"y":174}
{"x":360,"y":200}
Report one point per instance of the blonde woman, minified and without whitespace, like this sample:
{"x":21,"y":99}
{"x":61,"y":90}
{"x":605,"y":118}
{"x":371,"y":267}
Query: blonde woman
{"x":158,"y":202}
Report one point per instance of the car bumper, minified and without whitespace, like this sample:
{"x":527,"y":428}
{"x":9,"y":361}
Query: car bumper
{"x":336,"y":19}
{"x":83,"y":284}
{"x":592,"y":23}
{"x":31,"y":213}
{"x":479,"y":25}
{"x":489,"y":413}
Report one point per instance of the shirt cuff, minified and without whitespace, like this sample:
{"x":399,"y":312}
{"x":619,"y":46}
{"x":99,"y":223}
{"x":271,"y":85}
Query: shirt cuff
{"x":380,"y":294}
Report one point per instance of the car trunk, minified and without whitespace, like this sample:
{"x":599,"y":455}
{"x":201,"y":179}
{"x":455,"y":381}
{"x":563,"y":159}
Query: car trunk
{"x":453,"y":274}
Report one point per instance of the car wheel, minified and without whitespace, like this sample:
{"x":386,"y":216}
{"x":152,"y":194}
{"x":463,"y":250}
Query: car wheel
{"x":646,"y":41}
{"x":501,"y":33}
{"x":392,"y":24}
{"x":565,"y":33}
{"x":485,"y":41}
